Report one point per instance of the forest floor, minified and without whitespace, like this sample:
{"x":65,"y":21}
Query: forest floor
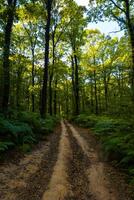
{"x":66,"y":165}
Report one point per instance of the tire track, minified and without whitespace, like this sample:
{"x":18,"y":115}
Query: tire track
{"x":59,"y":188}
{"x":97,"y":180}
{"x":77,"y":176}
{"x":29,"y":178}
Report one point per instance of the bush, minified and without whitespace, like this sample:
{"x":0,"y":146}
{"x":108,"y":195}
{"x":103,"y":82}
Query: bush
{"x":85,"y":121}
{"x":16,"y":132}
{"x":32,"y":119}
{"x":24,"y":130}
{"x":116,"y":136}
{"x":4,"y":146}
{"x":47,"y":125}
{"x":105,"y":125}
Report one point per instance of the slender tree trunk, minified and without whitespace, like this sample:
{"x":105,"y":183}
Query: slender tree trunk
{"x":73,"y":85}
{"x":99,"y":98}
{"x":6,"y":54}
{"x":105,"y":91}
{"x":67,"y":100}
{"x":50,"y":93}
{"x":55,"y":97}
{"x":33,"y":82}
{"x":77,"y":98}
{"x":51,"y":78}
{"x":18,"y":87}
{"x":95,"y":89}
{"x":91,"y":98}
{"x":43,"y":109}
{"x":95,"y":92}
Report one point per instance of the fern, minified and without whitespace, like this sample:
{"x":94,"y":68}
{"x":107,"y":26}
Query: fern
{"x":5,"y":146}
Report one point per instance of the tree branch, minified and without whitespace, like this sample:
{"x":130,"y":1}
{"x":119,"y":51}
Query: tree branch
{"x":117,"y":6}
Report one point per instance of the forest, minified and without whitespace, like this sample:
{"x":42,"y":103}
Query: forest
{"x":53,"y":67}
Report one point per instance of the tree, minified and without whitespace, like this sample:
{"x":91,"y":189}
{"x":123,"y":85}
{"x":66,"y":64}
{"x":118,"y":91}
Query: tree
{"x":11,"y":6}
{"x":43,"y":109}
{"x":74,"y":34}
{"x":122,"y":12}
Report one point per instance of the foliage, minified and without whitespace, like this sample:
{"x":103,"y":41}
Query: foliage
{"x":85,"y":120}
{"x":4,"y":146}
{"x":47,"y":125}
{"x":116,"y":135}
{"x":24,"y":130}
{"x":33,"y":119}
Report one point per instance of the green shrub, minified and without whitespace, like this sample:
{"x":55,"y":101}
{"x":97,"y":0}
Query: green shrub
{"x":5,"y":146}
{"x":24,"y":130}
{"x":32,"y":119}
{"x":85,"y":121}
{"x":116,"y":135}
{"x":6,"y":127}
{"x":23,"y":133}
{"x":105,"y":125}
{"x":16,"y":132}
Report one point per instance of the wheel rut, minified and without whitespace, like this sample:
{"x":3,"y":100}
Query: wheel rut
{"x":66,"y":167}
{"x":29,"y":178}
{"x":59,"y":188}
{"x":77,"y":167}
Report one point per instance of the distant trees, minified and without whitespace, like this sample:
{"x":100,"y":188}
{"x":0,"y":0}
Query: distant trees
{"x":51,"y":64}
{"x":122,"y":12}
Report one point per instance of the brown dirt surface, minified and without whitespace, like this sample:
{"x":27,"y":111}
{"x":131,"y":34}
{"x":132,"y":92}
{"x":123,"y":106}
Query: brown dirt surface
{"x":29,"y":178}
{"x":77,"y":176}
{"x":67,"y":165}
{"x":115,"y":179}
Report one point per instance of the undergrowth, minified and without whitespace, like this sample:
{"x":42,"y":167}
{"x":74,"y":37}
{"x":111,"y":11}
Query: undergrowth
{"x":116,"y":136}
{"x":23,"y":130}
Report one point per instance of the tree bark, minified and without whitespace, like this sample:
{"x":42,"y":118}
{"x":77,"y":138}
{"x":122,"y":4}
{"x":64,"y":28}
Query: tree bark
{"x":33,"y":82}
{"x":130,"y":25}
{"x":51,"y":78}
{"x":50,"y":93}
{"x":77,"y":98}
{"x":95,"y":92}
{"x":55,"y":97}
{"x":73,"y":85}
{"x":43,"y":109}
{"x":6,"y":54}
{"x":105,"y":90}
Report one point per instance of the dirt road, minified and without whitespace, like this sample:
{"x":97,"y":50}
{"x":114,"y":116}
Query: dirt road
{"x":66,"y":166}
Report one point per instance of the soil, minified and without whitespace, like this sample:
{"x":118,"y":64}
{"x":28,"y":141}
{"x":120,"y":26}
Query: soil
{"x":67,"y":165}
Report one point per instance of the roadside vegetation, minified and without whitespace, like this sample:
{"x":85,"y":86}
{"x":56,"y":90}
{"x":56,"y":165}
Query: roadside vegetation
{"x":116,"y":136}
{"x":23,"y":129}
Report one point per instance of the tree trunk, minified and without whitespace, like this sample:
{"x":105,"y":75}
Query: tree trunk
{"x":43,"y":109}
{"x":95,"y":92}
{"x":91,"y":98}
{"x":50,"y":93}
{"x":105,"y":91}
{"x":6,"y":54}
{"x":51,"y":78}
{"x":73,"y":85}
{"x":130,"y":25}
{"x":55,"y":97}
{"x":33,"y":82}
{"x":77,"y":98}
{"x":18,"y":87}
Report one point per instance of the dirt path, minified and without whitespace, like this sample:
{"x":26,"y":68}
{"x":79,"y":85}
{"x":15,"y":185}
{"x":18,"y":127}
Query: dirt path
{"x":66,"y":166}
